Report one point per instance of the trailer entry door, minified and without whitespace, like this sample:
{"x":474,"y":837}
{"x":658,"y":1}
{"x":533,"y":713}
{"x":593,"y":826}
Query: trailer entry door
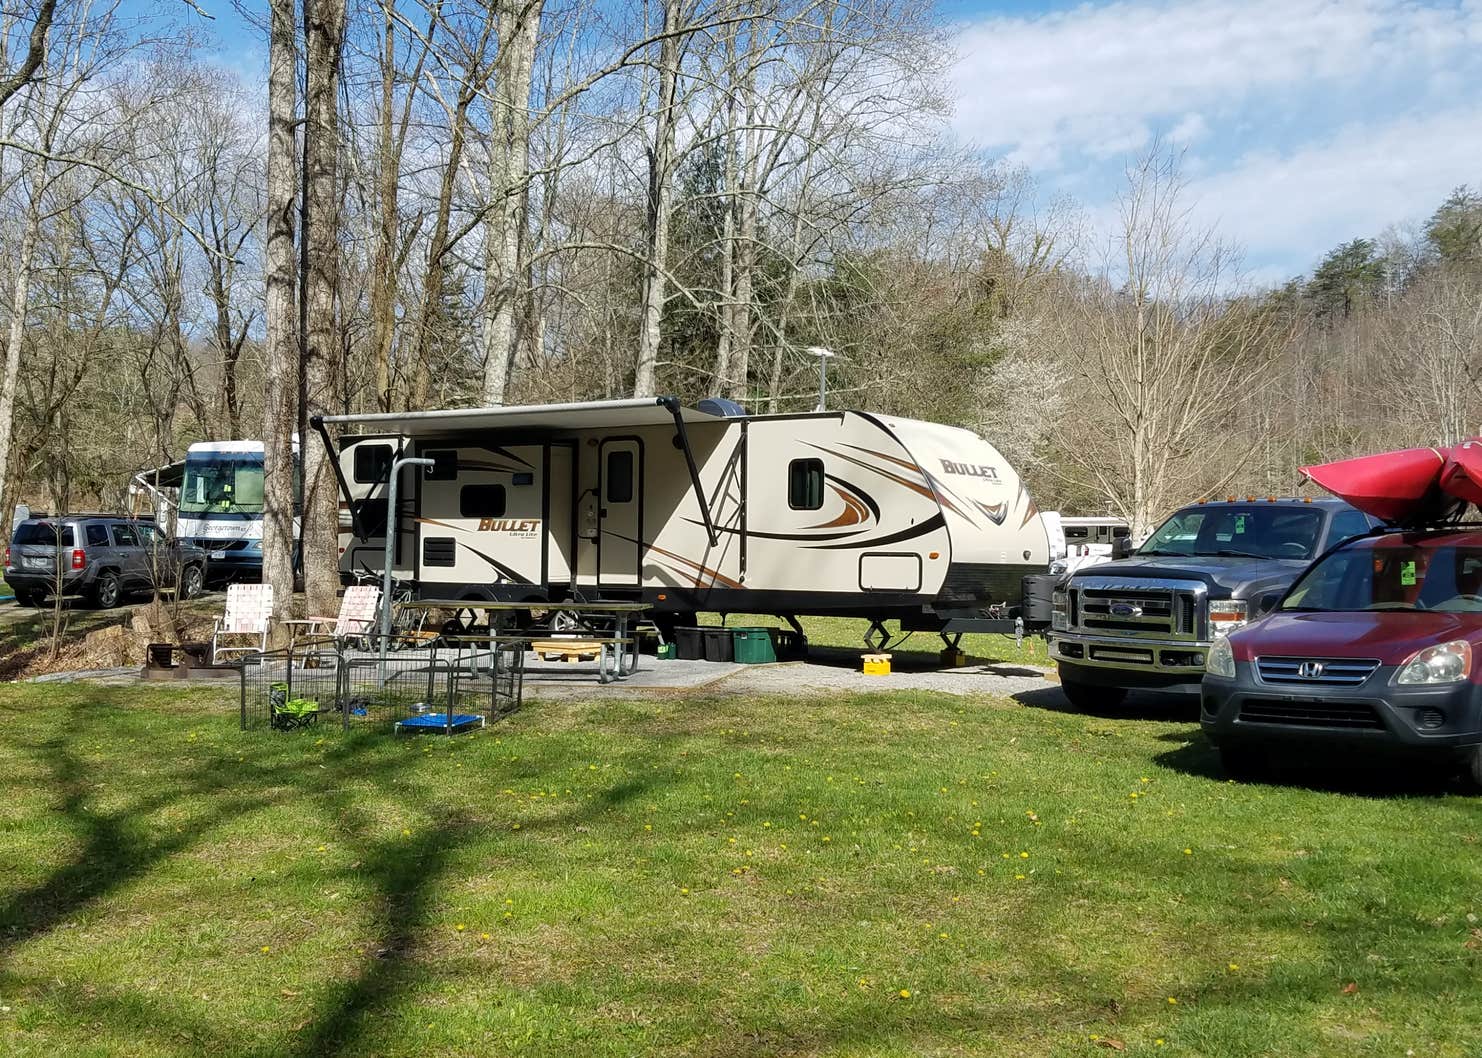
{"x":620,"y":513}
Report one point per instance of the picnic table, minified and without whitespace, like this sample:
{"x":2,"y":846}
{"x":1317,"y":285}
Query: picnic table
{"x":620,"y":640}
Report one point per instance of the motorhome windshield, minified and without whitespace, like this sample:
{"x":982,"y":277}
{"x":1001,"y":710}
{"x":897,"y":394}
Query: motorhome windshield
{"x":1239,"y":532}
{"x":1396,"y":576}
{"x":222,"y":483}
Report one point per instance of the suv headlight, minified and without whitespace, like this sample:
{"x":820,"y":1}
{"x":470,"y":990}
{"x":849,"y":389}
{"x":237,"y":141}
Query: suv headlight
{"x":1220,"y":661}
{"x":1225,"y":616}
{"x":1443,"y":663}
{"x":1057,"y":611}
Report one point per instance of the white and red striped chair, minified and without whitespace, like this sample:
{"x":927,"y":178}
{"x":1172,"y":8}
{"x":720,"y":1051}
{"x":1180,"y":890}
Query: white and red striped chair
{"x":243,"y":629}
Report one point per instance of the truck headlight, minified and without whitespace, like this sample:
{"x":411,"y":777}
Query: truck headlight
{"x":1058,"y":605}
{"x":1443,"y":663}
{"x":1226,"y":615}
{"x":1220,"y":660}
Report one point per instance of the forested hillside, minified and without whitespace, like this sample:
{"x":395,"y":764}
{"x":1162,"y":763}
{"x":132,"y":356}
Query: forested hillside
{"x":552,"y":200}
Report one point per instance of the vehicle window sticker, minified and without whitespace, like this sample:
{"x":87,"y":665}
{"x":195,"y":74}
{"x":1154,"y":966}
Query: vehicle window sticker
{"x":1407,"y":573}
{"x":1239,"y":524}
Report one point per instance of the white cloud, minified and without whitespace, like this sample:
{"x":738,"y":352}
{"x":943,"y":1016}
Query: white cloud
{"x":1303,"y":122}
{"x":1082,"y":80}
{"x":1291,"y":207}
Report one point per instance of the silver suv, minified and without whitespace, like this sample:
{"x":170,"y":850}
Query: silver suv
{"x":99,"y":557}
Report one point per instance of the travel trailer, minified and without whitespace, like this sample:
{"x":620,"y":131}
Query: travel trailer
{"x":691,"y":509}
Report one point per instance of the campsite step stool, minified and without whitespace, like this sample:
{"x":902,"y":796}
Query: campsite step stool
{"x":876,"y":664}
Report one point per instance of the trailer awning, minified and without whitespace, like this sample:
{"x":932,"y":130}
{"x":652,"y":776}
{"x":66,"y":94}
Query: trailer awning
{"x":588,"y":415}
{"x":168,"y":476}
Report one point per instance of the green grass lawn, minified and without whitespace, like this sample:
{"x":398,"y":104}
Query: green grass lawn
{"x":897,"y":874}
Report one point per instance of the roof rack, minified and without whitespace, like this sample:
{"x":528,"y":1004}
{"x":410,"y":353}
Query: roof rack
{"x":41,"y":515}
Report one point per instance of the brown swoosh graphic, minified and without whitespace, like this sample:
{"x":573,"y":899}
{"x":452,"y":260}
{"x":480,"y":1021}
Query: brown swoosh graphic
{"x":854,"y":513}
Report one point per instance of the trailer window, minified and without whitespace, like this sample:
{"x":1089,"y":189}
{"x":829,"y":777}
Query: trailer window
{"x":445,"y":465}
{"x":481,"y":501}
{"x":372,"y":516}
{"x":372,"y":463}
{"x":805,"y":484}
{"x":619,"y":483}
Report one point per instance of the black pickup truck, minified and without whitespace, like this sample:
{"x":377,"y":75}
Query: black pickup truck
{"x":1146,"y":620}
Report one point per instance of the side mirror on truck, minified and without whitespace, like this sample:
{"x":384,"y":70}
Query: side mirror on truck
{"x":1121,"y":547}
{"x":1264,"y":604}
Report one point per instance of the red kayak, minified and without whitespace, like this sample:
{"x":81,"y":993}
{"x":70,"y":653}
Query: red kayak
{"x":1406,"y":485}
{"x":1391,"y":485}
{"x":1462,"y":475}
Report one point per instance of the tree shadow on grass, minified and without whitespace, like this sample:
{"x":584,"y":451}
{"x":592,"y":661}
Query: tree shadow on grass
{"x":117,"y":845}
{"x":406,"y":874}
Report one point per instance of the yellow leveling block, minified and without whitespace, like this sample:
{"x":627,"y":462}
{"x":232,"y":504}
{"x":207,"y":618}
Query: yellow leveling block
{"x":876,"y":664}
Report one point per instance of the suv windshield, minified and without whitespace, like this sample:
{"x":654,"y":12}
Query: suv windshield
{"x":222,"y":483}
{"x":1396,"y":576}
{"x":1268,"y":531}
{"x":42,"y":533}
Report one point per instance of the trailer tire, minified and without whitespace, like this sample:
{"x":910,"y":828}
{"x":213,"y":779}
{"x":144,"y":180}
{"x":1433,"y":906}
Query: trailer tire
{"x":1089,"y":698}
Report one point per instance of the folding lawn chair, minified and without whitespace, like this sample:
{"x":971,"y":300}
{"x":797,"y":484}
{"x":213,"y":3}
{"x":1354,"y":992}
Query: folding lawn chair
{"x":359,"y":608}
{"x":243,"y":629}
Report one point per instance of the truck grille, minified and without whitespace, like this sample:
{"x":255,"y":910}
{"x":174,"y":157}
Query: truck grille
{"x":1309,"y":713}
{"x":1340,"y":672}
{"x":1154,"y":610}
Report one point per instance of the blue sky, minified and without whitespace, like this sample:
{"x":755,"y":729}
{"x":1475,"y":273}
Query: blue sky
{"x":1304,"y":122}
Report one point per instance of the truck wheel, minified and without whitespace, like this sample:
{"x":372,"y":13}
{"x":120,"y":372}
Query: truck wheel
{"x":191,"y":582}
{"x":1088,"y":697}
{"x":106,"y":591}
{"x":1243,"y":762}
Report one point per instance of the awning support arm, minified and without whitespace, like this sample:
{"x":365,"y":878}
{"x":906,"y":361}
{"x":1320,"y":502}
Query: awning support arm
{"x":672,"y":403}
{"x":317,"y":422}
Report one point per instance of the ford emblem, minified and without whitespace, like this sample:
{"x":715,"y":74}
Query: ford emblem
{"x":1125,"y":609}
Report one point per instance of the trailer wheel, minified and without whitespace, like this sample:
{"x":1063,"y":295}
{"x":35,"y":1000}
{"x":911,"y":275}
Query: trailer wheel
{"x":1087,"y":697}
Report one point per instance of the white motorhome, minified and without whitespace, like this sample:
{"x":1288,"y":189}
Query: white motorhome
{"x":692,"y":509}
{"x":220,"y":504}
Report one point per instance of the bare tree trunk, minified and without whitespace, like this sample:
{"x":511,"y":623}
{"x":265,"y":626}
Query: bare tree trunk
{"x":509,"y":175}
{"x":383,"y":268}
{"x":746,"y":210}
{"x":325,"y":29}
{"x":15,"y":339}
{"x":280,"y":374}
{"x":434,"y":283}
{"x":660,"y":205}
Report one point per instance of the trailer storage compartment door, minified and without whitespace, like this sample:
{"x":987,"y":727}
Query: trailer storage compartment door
{"x":890,"y":571}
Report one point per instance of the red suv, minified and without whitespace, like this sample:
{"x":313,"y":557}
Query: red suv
{"x":1378,"y":644}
